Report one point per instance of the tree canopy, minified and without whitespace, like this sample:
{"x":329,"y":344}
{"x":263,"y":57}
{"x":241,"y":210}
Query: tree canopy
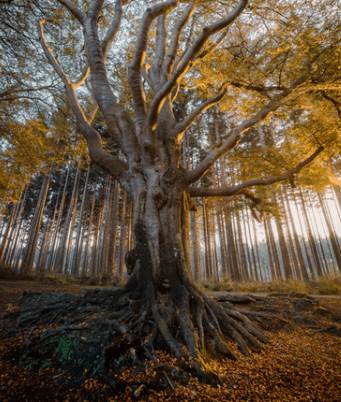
{"x":277,"y":65}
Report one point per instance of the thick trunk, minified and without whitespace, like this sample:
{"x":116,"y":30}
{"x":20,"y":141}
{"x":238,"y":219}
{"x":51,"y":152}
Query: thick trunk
{"x":160,"y":276}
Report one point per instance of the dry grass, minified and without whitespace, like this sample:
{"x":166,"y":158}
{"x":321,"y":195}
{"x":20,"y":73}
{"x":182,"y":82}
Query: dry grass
{"x":330,"y":285}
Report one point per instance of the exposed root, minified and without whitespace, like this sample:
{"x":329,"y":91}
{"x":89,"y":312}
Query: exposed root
{"x":101,"y":331}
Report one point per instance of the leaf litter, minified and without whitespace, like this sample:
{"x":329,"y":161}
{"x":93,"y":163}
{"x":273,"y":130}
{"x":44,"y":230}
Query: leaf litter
{"x":299,"y":364}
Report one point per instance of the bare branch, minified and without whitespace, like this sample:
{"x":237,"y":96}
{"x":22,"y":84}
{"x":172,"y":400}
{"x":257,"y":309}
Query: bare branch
{"x":335,"y":103}
{"x":75,"y":11}
{"x":119,"y":124}
{"x":135,"y":68}
{"x":109,"y":163}
{"x":83,"y":76}
{"x":257,"y":88}
{"x":52,"y":60}
{"x":185,"y":64}
{"x":239,"y":188}
{"x":235,"y":134}
{"x":209,"y":50}
{"x":175,"y":39}
{"x":113,"y":29}
{"x":17,"y":90}
{"x":181,"y":127}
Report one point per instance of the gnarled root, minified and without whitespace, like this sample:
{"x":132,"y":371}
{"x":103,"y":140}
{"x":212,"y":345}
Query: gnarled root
{"x":100,"y":331}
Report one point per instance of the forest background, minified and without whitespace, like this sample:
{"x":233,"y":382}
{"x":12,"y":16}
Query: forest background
{"x":61,"y":214}
{"x":169,"y":146}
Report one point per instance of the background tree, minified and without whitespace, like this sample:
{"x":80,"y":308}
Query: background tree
{"x":33,"y":116}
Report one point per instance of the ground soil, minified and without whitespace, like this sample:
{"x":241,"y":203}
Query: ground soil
{"x":298,"y":365}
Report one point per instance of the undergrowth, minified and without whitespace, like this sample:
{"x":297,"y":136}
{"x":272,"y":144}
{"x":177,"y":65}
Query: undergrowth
{"x":53,"y":278}
{"x":329,"y":285}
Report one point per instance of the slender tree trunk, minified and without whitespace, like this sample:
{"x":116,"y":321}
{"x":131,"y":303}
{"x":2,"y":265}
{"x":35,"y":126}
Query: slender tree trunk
{"x":113,"y":228}
{"x":311,"y":238}
{"x":88,"y":243}
{"x":234,"y":273}
{"x":283,"y":245}
{"x":195,"y":247}
{"x":6,"y":237}
{"x":277,"y":270}
{"x":303,"y":269}
{"x":79,"y":237}
{"x":68,"y":226}
{"x":270,"y":250}
{"x":28,"y":262}
{"x":307,"y":252}
{"x":207,"y":237}
{"x":123,"y":235}
{"x":331,"y":232}
{"x":54,"y":248}
{"x":242,"y":252}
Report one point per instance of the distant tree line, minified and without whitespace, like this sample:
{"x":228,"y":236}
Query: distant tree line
{"x":78,"y":222}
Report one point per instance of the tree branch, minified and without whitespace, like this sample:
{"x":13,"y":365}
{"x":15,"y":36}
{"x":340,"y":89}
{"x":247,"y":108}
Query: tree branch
{"x":109,"y":163}
{"x":235,"y":134}
{"x":119,"y":123}
{"x":95,"y":8}
{"x":17,"y":90}
{"x":335,"y":103}
{"x":238,"y":189}
{"x":185,"y":64}
{"x":83,"y":76}
{"x":181,"y":127}
{"x":75,"y":11}
{"x":175,"y":39}
{"x":160,"y":47}
{"x":257,"y":88}
{"x":113,"y":29}
{"x":135,"y":68}
{"x":206,"y":52}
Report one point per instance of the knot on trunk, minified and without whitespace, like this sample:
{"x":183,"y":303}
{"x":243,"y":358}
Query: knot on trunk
{"x":130,"y":260}
{"x":171,"y":176}
{"x":159,"y":198}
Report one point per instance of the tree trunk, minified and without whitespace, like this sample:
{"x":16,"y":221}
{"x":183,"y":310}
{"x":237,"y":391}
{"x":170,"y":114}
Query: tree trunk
{"x":331,"y":232}
{"x":283,"y":245}
{"x":80,"y":229}
{"x":311,"y":238}
{"x":28,"y":262}
{"x":303,"y":269}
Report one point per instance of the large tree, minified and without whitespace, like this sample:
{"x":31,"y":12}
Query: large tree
{"x":186,"y":57}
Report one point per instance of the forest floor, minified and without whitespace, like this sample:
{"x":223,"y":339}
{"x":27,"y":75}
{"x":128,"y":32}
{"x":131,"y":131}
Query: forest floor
{"x":299,"y":364}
